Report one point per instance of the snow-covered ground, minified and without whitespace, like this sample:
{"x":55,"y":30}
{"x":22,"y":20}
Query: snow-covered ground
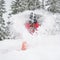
{"x":39,"y":48}
{"x":42,"y":45}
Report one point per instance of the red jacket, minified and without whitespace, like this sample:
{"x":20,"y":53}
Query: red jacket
{"x":27,"y":25}
{"x":35,"y":25}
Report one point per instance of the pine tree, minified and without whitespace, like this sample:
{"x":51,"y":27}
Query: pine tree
{"x":54,"y":5}
{"x":3,"y":32}
{"x":58,"y":6}
{"x":15,"y":6}
{"x":8,"y":24}
{"x":2,"y":9}
{"x":2,"y":29}
{"x":22,"y":5}
{"x":33,"y":4}
{"x":43,"y":4}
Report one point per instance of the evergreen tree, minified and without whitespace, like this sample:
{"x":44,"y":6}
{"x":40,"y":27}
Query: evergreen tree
{"x":33,"y":4}
{"x":54,"y":5}
{"x":3,"y":32}
{"x":21,"y":5}
{"x":43,"y":4}
{"x":8,"y":24}
{"x":2,"y":9}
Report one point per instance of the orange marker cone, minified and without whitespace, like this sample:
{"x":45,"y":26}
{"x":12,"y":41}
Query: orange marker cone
{"x":24,"y":46}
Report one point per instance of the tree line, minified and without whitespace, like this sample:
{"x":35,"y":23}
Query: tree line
{"x":22,"y":5}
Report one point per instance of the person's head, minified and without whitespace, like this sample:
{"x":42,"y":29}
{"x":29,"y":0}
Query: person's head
{"x":31,"y":15}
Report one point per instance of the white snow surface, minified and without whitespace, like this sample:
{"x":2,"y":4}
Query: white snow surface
{"x":40,"y":46}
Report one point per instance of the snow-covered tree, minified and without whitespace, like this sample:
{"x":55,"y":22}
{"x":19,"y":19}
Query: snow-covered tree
{"x":3,"y":32}
{"x":33,"y":4}
{"x":22,"y":5}
{"x":54,"y":5}
{"x":2,"y":8}
{"x":42,"y":4}
{"x":8,"y":25}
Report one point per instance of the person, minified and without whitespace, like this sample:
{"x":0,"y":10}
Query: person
{"x":32,"y":24}
{"x":32,"y":21}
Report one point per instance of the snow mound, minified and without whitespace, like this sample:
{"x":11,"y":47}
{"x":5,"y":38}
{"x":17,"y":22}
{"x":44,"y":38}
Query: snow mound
{"x":47,"y":25}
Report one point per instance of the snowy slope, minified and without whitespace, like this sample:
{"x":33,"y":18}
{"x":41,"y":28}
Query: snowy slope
{"x":40,"y":46}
